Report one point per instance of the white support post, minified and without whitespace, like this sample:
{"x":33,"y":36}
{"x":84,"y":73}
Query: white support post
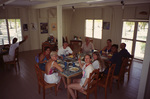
{"x":59,"y":25}
{"x":145,"y":68}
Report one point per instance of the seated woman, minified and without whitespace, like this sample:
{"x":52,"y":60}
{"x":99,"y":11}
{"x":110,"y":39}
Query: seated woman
{"x":81,"y":84}
{"x":107,"y":49}
{"x":44,"y":57}
{"x":51,"y":76}
{"x":98,"y":62}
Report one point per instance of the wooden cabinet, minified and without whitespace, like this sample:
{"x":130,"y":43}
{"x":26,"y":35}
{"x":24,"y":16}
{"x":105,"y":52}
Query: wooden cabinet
{"x":75,"y":45}
{"x":53,"y":46}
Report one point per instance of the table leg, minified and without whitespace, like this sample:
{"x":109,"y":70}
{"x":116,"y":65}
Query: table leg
{"x":68,"y":82}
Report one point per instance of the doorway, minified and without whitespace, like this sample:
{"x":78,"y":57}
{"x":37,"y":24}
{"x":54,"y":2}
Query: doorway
{"x":134,"y":34}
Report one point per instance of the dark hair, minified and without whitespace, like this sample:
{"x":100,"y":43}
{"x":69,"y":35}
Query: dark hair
{"x":124,"y":44}
{"x":109,"y":40}
{"x":88,"y":55}
{"x":101,"y":62}
{"x":65,"y":42}
{"x":115,"y":45}
{"x":46,"y":48}
{"x":14,"y":40}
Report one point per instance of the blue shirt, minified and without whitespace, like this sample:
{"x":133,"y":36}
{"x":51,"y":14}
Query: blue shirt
{"x":124,"y":53}
{"x":116,"y":59}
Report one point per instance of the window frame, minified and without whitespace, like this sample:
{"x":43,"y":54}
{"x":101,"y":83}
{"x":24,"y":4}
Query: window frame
{"x":93,"y":28}
{"x":8,"y":30}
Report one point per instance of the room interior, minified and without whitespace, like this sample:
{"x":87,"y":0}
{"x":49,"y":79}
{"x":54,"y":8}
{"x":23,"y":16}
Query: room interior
{"x":70,"y":15}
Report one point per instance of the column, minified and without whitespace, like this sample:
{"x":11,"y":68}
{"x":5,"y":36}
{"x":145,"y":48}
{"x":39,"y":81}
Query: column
{"x":59,"y":25}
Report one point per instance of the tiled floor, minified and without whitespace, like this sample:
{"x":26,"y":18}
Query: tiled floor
{"x":24,"y":84}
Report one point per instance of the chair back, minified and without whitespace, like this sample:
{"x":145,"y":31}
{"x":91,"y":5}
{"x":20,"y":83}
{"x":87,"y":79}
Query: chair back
{"x":123,"y":67}
{"x":16,"y":54}
{"x":67,"y":39}
{"x":130,"y":59}
{"x":37,"y":57}
{"x":40,"y":75}
{"x":110,"y":73}
{"x":45,"y":44}
{"x":93,"y":79}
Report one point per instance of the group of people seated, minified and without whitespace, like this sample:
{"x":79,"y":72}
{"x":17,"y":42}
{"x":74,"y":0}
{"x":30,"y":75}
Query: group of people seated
{"x":49,"y":65}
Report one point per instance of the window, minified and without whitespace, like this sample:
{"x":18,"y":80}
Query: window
{"x":134,"y":34}
{"x":93,"y":28}
{"x":9,"y":29}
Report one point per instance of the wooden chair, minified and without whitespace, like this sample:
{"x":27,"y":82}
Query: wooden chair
{"x":15,"y":60}
{"x":45,"y":44}
{"x":107,"y":79}
{"x":92,"y":84}
{"x":128,"y":66}
{"x":120,"y":77}
{"x":42,"y":83}
{"x":67,"y":39}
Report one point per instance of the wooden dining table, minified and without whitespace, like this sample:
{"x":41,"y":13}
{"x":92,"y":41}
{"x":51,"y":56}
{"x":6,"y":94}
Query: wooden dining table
{"x":69,"y":74}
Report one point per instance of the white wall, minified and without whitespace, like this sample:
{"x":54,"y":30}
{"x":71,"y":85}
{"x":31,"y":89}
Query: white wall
{"x":73,"y":22}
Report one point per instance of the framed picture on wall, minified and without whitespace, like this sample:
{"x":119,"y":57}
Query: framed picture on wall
{"x":44,"y":27}
{"x":106,"y":25}
{"x":25,"y":27}
{"x":54,"y":26}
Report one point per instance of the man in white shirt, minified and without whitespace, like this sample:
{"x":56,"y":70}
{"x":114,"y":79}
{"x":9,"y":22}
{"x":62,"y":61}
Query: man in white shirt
{"x":12,"y":49}
{"x":87,"y":46}
{"x":64,"y":50}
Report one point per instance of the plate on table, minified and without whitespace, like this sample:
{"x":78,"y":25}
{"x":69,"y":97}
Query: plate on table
{"x":70,"y":56}
{"x":104,"y":57}
{"x":73,"y":69}
{"x":59,"y":60}
{"x":109,"y":54}
{"x":61,"y":65}
{"x":77,"y":63}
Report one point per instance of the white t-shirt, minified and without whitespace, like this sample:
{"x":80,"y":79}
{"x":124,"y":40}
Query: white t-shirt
{"x":88,"y":48}
{"x":63,"y":51}
{"x":11,"y":54}
{"x":96,"y":64}
{"x":86,"y":74}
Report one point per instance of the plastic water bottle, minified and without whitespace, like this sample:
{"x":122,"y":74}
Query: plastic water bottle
{"x":107,"y":52}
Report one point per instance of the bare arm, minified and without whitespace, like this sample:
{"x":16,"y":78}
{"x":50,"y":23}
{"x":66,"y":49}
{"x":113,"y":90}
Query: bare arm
{"x":47,"y":67}
{"x":24,"y":39}
{"x":85,"y":83}
{"x":58,"y":67}
{"x":80,"y":64}
{"x":41,"y":59}
{"x":104,"y":48}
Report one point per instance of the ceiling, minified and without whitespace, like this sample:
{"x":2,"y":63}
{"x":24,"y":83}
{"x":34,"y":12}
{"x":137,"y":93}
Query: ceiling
{"x":69,"y":3}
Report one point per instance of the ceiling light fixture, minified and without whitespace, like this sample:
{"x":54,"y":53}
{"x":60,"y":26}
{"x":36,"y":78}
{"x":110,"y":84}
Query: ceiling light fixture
{"x":73,"y":8}
{"x":122,"y":2}
{"x":3,"y":6}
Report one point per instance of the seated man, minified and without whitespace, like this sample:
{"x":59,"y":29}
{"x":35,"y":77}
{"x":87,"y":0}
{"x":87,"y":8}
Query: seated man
{"x":51,"y":38}
{"x":87,"y":46}
{"x":123,"y":52}
{"x":116,"y":59}
{"x":12,"y":49}
{"x":64,"y":50}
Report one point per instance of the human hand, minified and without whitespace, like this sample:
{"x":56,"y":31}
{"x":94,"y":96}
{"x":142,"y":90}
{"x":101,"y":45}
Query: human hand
{"x":82,"y":89}
{"x":79,"y":60}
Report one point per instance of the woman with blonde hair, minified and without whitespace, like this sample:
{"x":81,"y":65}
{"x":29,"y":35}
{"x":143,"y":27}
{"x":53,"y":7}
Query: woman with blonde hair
{"x":51,"y":76}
